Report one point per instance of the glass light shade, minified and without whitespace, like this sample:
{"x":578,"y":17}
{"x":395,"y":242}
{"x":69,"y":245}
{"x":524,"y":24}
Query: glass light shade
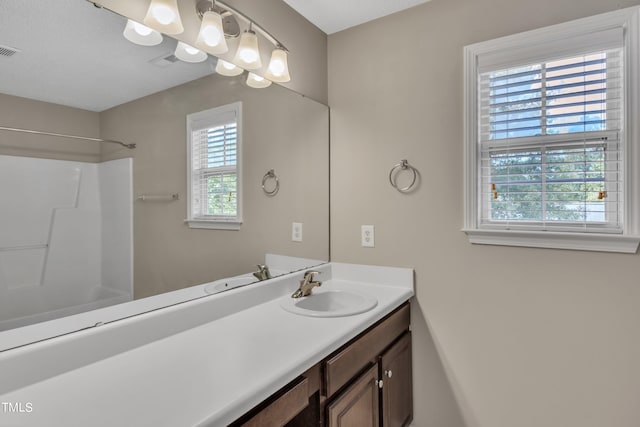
{"x":225,"y":68}
{"x":248,"y":54}
{"x":278,"y":70}
{"x":164,"y":16}
{"x":211,"y":36}
{"x":257,"y":82}
{"x":140,"y":34}
{"x":187,"y":53}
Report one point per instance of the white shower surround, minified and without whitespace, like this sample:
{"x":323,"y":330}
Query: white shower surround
{"x":66,"y":240}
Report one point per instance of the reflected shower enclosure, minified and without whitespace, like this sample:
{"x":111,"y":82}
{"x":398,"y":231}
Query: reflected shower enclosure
{"x":66,"y":245}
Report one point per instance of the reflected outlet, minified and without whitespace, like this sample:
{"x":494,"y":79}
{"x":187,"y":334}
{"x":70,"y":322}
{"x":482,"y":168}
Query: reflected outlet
{"x":296,"y":232}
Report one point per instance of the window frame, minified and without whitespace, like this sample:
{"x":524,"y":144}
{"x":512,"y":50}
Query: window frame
{"x":206,"y":119}
{"x":519,"y":46}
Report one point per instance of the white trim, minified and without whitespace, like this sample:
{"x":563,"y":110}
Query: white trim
{"x":213,"y":224}
{"x":629,"y":20}
{"x":568,"y":30}
{"x":554,"y":240}
{"x":545,"y":49}
{"x":632,"y":111}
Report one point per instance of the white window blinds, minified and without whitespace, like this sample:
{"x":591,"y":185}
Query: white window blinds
{"x":214,"y":165}
{"x":550,"y":151}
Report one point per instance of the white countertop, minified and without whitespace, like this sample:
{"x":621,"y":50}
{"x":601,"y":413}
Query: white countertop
{"x":207,"y":375}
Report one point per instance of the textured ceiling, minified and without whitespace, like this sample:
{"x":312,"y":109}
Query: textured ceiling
{"x":332,"y":16}
{"x":74,"y":54}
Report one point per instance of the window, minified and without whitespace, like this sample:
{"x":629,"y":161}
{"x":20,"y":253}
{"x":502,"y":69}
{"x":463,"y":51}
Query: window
{"x":549,"y":152}
{"x":549,"y":146}
{"x":214,"y":141}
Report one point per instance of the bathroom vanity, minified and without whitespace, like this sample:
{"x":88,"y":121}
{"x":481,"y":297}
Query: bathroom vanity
{"x":233,"y":358}
{"x":365,"y":379}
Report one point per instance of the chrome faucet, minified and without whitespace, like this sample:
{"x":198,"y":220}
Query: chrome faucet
{"x":307,"y":284}
{"x":263,"y":272}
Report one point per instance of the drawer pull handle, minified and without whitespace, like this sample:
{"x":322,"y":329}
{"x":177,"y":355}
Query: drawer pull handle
{"x":388,"y":373}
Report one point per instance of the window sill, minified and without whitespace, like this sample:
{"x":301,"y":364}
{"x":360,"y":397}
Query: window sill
{"x":555,"y":240}
{"x":213,"y":225}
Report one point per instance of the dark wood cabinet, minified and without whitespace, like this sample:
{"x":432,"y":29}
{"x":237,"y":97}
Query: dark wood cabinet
{"x":352,"y":358}
{"x":397,"y":393}
{"x":358,"y":405}
{"x":295,"y":405}
{"x":382,"y":394}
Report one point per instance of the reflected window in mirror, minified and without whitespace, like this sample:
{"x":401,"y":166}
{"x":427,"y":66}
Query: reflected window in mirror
{"x":214,"y":143}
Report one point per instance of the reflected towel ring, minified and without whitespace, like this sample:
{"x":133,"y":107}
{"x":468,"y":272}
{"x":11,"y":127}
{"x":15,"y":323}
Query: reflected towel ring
{"x":393,"y":176}
{"x":270,"y":175}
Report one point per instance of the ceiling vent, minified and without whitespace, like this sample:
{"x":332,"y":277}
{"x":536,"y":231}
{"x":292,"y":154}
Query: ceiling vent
{"x":164,"y":60}
{"x":8,"y":51}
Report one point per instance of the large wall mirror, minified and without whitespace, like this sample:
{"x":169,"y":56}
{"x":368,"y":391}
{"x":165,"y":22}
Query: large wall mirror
{"x":66,"y":69}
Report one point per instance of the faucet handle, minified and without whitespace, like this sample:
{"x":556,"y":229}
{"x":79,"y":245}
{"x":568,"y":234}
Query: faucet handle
{"x":309,"y":275}
{"x":263,"y":272}
{"x":307,"y":284}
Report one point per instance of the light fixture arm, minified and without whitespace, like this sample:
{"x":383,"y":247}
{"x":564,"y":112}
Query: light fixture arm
{"x":202,"y":7}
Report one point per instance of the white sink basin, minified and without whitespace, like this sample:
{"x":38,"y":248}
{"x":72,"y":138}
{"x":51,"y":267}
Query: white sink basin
{"x":329,"y":303}
{"x":229,"y":283}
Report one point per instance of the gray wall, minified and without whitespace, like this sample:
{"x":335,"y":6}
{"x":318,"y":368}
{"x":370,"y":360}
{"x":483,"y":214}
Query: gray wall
{"x":503,"y":337}
{"x":282,"y":131}
{"x":36,"y":115}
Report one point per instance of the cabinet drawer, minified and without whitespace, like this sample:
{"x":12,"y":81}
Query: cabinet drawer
{"x":281,"y":410}
{"x":354,"y":357}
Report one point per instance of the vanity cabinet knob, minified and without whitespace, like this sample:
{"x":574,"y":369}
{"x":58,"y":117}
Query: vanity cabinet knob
{"x":380,"y":383}
{"x":388,"y":373}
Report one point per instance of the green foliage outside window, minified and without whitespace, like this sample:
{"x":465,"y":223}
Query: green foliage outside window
{"x":568,"y":186}
{"x":222,"y":195}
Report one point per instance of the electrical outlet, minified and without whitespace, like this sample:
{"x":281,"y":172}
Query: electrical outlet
{"x":296,"y":232}
{"x":367,"y":236}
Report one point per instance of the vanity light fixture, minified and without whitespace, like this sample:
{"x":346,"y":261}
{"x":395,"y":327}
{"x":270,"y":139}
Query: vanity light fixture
{"x":187,"y":53}
{"x":278,"y":69}
{"x":257,"y":82}
{"x":225,"y":68}
{"x":141,"y":34}
{"x":164,"y":16}
{"x":248,"y":53}
{"x":219,"y":22}
{"x":211,"y":35}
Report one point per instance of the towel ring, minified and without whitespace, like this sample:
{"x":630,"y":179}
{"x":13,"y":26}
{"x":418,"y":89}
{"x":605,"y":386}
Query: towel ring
{"x":393,"y":176}
{"x":270,"y":175}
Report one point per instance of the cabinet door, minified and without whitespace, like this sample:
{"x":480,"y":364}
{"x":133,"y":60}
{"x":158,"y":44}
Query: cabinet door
{"x":397,"y":395}
{"x":358,"y":405}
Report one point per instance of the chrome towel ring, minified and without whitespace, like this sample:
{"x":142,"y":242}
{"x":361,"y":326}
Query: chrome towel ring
{"x":270,"y":175}
{"x":395,"y":171}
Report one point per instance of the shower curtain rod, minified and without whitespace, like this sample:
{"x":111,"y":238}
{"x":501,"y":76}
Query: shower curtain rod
{"x":61,"y":135}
